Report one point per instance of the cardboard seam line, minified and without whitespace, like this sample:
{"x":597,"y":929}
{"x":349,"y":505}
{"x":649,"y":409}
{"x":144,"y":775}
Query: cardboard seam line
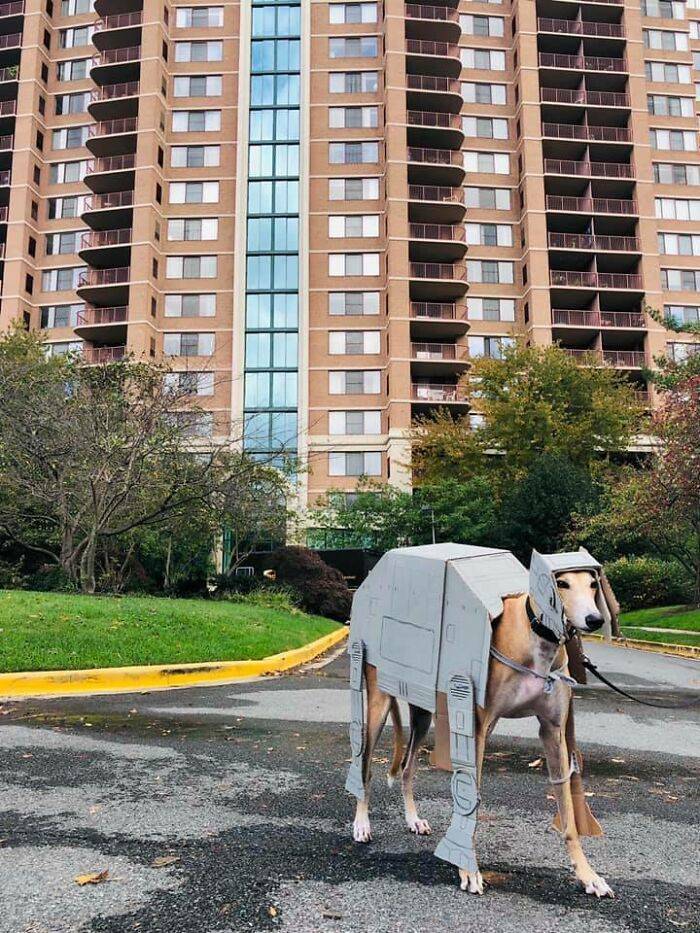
{"x":159,"y":676}
{"x":657,"y":647}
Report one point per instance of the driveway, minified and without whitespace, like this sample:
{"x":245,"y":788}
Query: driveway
{"x":222,"y":809}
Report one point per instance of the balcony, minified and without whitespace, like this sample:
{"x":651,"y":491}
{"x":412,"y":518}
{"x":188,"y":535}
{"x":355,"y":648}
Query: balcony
{"x":435,"y":203}
{"x":434,"y":358}
{"x":111,"y":173}
{"x":6,"y":143}
{"x":111,"y":201}
{"x":431,"y":319}
{"x":11,"y":9}
{"x":115,"y":91}
{"x":115,"y":65}
{"x":102,"y":323}
{"x":581,"y":63}
{"x":434,"y":126}
{"x":117,"y":242}
{"x":12,"y":41}
{"x":590,"y":241}
{"x":117,"y":56}
{"x":439,"y":394}
{"x":426,"y":56}
{"x":98,"y":277}
{"x":607,"y":134}
{"x":113,"y":127}
{"x":558,"y":202}
{"x":629,"y":320}
{"x":437,"y":241}
{"x":8,"y":108}
{"x":589,"y":169}
{"x":3,"y":215}
{"x":437,"y":279}
{"x":620,"y":359}
{"x":584,"y":97}
{"x":434,"y":92}
{"x":439,"y":22}
{"x":113,"y":137}
{"x":5,"y":179}
{"x":93,"y":356}
{"x":9,"y":74}
{"x":97,"y":238}
{"x":432,"y":165}
{"x":616,"y":280}
{"x":118,"y":21}
{"x":576,"y":27}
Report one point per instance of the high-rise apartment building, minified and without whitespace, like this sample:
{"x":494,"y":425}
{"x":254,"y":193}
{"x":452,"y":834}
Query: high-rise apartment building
{"x":321,"y":211}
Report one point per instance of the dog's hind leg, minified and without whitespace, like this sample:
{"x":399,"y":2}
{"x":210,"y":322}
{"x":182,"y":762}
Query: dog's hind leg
{"x":420,"y":723}
{"x":378,"y":704}
{"x":397,"y":755}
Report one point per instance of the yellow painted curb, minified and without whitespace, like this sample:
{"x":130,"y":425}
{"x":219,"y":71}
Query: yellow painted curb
{"x":158,"y":676}
{"x":658,"y":647}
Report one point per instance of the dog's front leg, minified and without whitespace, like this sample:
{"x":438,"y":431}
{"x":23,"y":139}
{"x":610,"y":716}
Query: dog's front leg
{"x":472,"y":881}
{"x":559,"y":766}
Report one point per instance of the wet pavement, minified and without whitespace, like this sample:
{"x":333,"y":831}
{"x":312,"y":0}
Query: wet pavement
{"x":222,"y":809}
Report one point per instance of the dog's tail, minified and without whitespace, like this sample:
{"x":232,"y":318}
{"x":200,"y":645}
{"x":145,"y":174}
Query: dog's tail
{"x":397,"y":757}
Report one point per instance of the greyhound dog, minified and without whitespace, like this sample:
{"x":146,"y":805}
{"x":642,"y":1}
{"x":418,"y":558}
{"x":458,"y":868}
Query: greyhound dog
{"x":513,"y":694}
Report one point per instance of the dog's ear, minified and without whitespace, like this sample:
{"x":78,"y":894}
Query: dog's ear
{"x":611,"y":603}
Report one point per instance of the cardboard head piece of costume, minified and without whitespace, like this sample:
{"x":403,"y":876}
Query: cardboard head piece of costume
{"x":544,"y":591}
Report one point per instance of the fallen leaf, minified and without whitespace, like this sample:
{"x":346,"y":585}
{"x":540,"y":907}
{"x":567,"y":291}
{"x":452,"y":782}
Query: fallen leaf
{"x":272,"y":911}
{"x":332,"y":915}
{"x":92,"y":877}
{"x":537,"y":763}
{"x":162,"y":860}
{"x":494,"y":878}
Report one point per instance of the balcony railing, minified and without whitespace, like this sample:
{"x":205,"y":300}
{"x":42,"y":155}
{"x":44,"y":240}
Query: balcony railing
{"x":113,"y":91}
{"x":103,"y":354}
{"x":628,"y":244}
{"x":112,"y":163}
{"x":429,"y":47}
{"x":438,"y":352}
{"x":558,"y":202}
{"x":581,"y":62}
{"x":131,"y":53}
{"x":453,"y":232}
{"x":113,"y":127}
{"x":435,"y":156}
{"x":578,"y":318}
{"x":5,"y":178}
{"x":96,"y":238}
{"x":9,"y":42}
{"x":628,"y":359}
{"x":10,"y":73}
{"x":450,"y":271}
{"x":432,"y":83}
{"x":94,"y":316}
{"x":6,"y":142}
{"x":8,"y":108}
{"x":423,"y":11}
{"x":598,"y":169}
{"x":435,"y":193}
{"x":609,"y":134}
{"x":562,"y":95}
{"x":3,"y":215}
{"x":12,"y":9}
{"x":118,"y":21}
{"x":571,"y":279}
{"x":577,"y":27}
{"x":91,"y":277}
{"x":99,"y":202}
{"x":424,"y":392}
{"x":438,"y":311}
{"x":433,"y":118}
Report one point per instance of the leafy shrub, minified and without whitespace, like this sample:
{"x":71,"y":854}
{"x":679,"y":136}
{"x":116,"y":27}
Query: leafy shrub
{"x":322,"y":589}
{"x":642,"y":582}
{"x":50,"y":578}
{"x":267,"y":596}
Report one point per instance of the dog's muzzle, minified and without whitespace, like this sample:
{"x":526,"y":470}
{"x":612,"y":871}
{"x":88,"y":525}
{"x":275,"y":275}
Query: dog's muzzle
{"x":594,"y":622}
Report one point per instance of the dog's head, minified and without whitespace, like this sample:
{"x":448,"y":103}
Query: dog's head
{"x":579,"y":594}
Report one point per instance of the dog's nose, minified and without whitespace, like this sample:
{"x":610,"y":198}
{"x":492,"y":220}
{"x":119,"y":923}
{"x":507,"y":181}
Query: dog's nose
{"x":594,"y":621}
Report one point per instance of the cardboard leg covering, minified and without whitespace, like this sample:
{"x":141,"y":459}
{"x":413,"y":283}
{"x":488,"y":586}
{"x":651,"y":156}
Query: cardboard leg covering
{"x":586,"y":823}
{"x":355,"y":780}
{"x":457,"y":846}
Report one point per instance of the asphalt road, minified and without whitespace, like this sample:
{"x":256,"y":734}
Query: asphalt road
{"x":222,"y":809}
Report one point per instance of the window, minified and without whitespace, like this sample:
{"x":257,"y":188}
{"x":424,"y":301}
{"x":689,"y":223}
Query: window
{"x":680,"y":280}
{"x":196,"y":121}
{"x":60,"y":315}
{"x":190,"y":383}
{"x":72,"y":103}
{"x":493,"y":347}
{"x":679,"y":244}
{"x":355,"y":421}
{"x":665,"y":39}
{"x":199,"y":17}
{"x":194,"y":305}
{"x":673,"y":140}
{"x":482,"y":25}
{"x":202,"y":51}
{"x":61,"y":208}
{"x":61,"y":280}
{"x":188,"y":343}
{"x":355,"y":463}
{"x":484,"y":59}
{"x":190,"y":267}
{"x":74,"y":69}
{"x":683,"y":314}
{"x":353,"y":264}
{"x":489,"y":234}
{"x":353,"y":47}
{"x":661,"y":105}
{"x":76,"y":7}
{"x":354,"y":382}
{"x":353,"y":303}
{"x":353,"y":225}
{"x":679,"y":352}
{"x":664,"y":9}
{"x":70,"y":137}
{"x":677,"y":208}
{"x":353,"y":153}
{"x":676,"y":173}
{"x":66,"y":172}
{"x":485,"y":127}
{"x":71,"y":38}
{"x":193,"y":228}
{"x":353,"y":82}
{"x":353,"y":13}
{"x":488,"y":198}
{"x":490,"y":272}
{"x":274,"y":124}
{"x":63,"y":347}
{"x":63,"y":243}
{"x":495,"y":163}
{"x":353,"y":189}
{"x":197,"y":86}
{"x":350,"y":342}
{"x":473,"y":93}
{"x":194,"y":156}
{"x":491,"y":309}
{"x":667,"y":72}
{"x":194,"y":192}
{"x":353,"y":117}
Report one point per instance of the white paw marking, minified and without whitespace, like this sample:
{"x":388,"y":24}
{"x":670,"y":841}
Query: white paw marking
{"x":599,"y":887}
{"x":390,"y":780}
{"x":471,"y":881}
{"x":418,"y":826}
{"x":361,"y":831}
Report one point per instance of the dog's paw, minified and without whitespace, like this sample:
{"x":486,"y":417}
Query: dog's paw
{"x":418,"y":826}
{"x":598,"y":886}
{"x":471,"y":881}
{"x":390,"y":779}
{"x":361,"y":831}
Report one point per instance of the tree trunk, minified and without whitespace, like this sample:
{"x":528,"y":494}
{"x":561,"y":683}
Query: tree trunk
{"x":168,"y":558}
{"x":87,"y":566}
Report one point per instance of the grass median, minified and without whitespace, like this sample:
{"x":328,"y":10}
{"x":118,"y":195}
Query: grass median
{"x":675,"y":625}
{"x":60,"y":631}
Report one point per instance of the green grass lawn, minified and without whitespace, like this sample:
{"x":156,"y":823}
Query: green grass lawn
{"x":664,"y":617}
{"x":57,"y":631}
{"x":668,"y":638}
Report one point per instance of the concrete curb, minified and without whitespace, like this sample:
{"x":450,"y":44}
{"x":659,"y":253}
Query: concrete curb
{"x":657,"y":647}
{"x":159,"y":676}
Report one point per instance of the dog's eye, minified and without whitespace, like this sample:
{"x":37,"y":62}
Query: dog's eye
{"x":563,"y":585}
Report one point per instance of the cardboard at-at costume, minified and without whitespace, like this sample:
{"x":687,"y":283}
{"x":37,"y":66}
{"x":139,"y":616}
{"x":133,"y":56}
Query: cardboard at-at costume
{"x":423,"y":619}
